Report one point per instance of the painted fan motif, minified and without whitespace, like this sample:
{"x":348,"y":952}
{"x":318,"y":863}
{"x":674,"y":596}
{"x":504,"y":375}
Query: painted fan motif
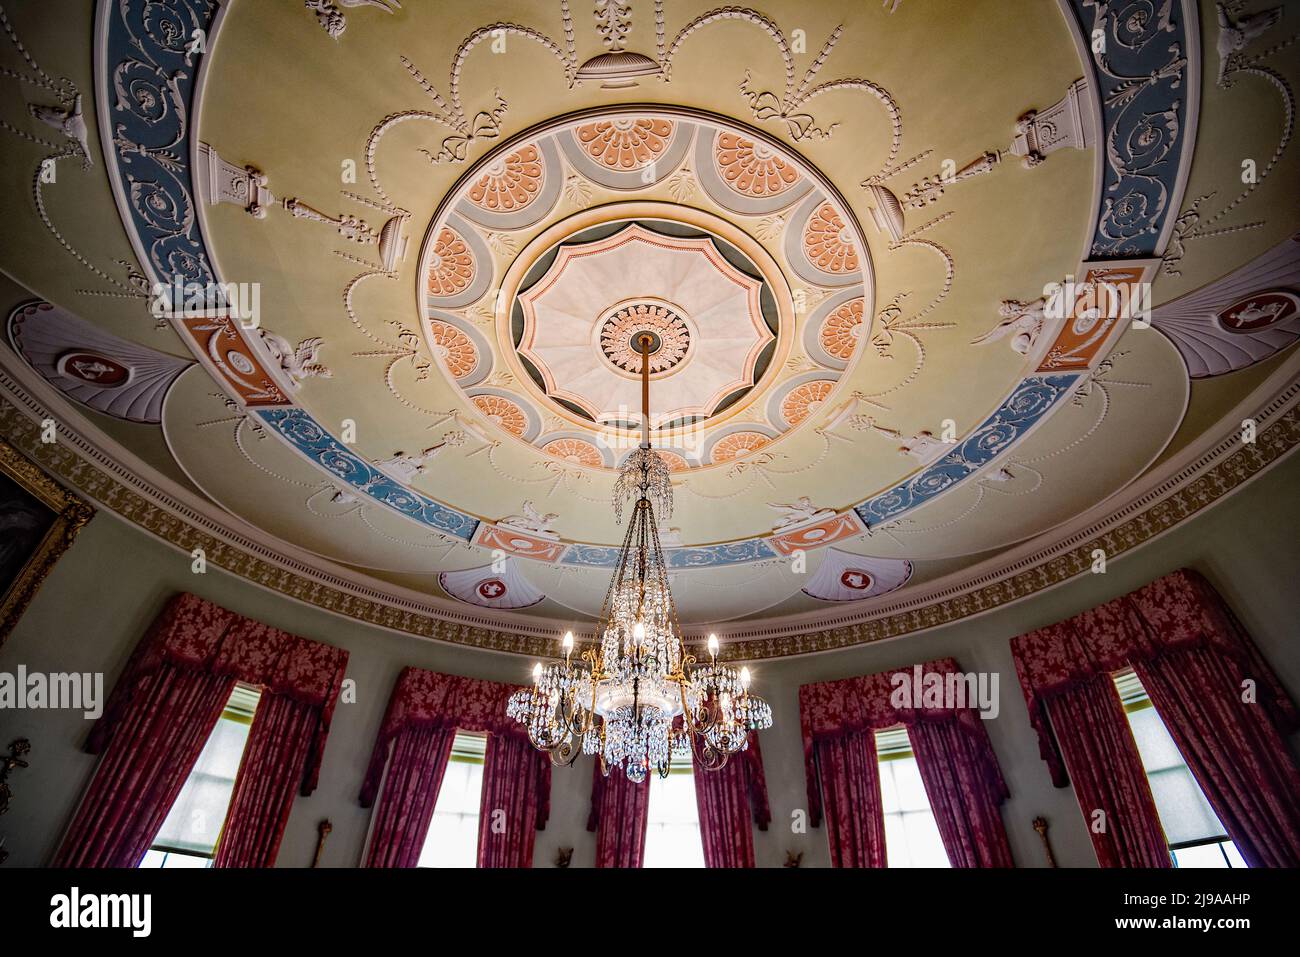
{"x":482,"y":586}
{"x":1245,"y":317}
{"x":98,"y":369}
{"x":843,"y":576}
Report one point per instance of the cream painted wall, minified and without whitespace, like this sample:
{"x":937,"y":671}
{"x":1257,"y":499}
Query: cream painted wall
{"x":102,"y":596}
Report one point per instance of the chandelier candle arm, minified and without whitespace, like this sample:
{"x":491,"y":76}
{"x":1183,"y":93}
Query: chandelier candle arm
{"x":638,"y":697}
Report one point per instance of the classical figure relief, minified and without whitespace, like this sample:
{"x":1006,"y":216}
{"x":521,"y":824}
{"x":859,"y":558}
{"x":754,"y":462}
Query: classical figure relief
{"x":1022,"y":321}
{"x":297,"y":362}
{"x":532,"y":520}
{"x":798,"y":512}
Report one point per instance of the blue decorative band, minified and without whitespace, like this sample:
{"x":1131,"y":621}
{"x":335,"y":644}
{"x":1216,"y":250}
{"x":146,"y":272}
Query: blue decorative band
{"x":704,"y":556}
{"x":1031,"y":400}
{"x":304,"y":434}
{"x":1141,"y":67}
{"x":152,"y":58}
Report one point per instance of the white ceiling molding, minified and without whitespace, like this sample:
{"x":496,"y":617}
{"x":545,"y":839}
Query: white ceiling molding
{"x":488,"y":586}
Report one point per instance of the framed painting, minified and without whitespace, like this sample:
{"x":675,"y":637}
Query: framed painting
{"x":39,"y":520}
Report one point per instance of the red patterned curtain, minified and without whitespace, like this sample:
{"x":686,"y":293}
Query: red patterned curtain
{"x":1098,"y":745}
{"x":849,"y":777}
{"x":960,"y":772}
{"x":424,"y":713}
{"x":1196,"y":662}
{"x":516,"y":790}
{"x":618,"y":816}
{"x":965,"y":788}
{"x":728,"y":800}
{"x":161,"y":712}
{"x":419,"y":759}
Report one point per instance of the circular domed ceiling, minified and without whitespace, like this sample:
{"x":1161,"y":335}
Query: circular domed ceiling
{"x":889,"y":298}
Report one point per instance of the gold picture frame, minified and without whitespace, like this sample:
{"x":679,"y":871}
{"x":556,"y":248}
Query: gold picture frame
{"x":69,"y":515}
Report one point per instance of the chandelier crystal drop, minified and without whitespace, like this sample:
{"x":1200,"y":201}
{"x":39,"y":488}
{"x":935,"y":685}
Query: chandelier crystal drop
{"x":638,"y":697}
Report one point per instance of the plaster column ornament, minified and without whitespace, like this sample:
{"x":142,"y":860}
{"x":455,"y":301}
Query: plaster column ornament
{"x":224,"y":182}
{"x":1062,"y":125}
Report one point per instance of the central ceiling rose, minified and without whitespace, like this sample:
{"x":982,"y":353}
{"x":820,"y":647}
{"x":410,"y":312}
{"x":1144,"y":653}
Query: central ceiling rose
{"x":560,"y":249}
{"x":670,"y":338}
{"x":699,"y":298}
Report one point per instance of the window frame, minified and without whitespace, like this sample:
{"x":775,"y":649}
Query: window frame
{"x":679,"y":766}
{"x":1134,"y":698}
{"x":240,"y":708}
{"x":461,"y":753}
{"x":895,"y":744}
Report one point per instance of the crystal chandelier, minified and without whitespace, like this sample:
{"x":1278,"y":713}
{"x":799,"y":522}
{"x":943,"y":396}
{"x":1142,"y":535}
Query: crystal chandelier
{"x":638,"y":697}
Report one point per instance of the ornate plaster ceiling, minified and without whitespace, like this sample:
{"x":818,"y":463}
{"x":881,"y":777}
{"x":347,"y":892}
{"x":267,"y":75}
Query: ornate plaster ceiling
{"x":846,"y":226}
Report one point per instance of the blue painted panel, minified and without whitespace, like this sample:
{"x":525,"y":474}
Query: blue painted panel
{"x":1031,"y":400}
{"x":152,"y":66}
{"x":302,"y":431}
{"x":1139,"y":52}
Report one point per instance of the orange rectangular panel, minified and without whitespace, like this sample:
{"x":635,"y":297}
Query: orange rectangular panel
{"x":833,"y":529}
{"x":1101,"y":304}
{"x":520,"y":543}
{"x":222,"y":347}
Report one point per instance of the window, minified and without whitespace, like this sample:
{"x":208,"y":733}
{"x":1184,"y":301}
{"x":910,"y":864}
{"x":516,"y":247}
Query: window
{"x":452,"y":840}
{"x":911,"y":835}
{"x":672,"y":837}
{"x":193,"y":826}
{"x":1195,"y":836}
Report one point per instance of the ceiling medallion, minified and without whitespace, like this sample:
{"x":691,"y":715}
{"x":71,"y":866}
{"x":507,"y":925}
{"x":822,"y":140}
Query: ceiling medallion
{"x":705,"y":302}
{"x":638,"y":699}
{"x":670,"y":337}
